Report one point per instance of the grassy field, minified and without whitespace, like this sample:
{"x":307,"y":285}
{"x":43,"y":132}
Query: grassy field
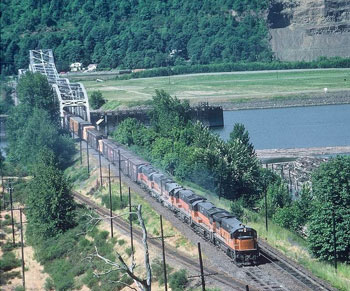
{"x":224,"y":87}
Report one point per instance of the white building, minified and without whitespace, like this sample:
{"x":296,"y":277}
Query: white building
{"x":75,"y":67}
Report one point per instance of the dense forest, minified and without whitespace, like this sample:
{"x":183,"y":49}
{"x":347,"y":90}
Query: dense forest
{"x":134,"y":34}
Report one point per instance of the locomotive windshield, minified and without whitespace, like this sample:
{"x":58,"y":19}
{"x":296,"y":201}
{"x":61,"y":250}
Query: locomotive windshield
{"x":249,"y":234}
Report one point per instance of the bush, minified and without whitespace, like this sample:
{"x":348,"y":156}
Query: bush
{"x":8,"y":246}
{"x":60,"y":271}
{"x":237,"y":209}
{"x":116,"y":203}
{"x":49,"y":284}
{"x":128,"y":251}
{"x":96,"y":100}
{"x":9,"y":262}
{"x":158,"y":272}
{"x":178,"y":280}
{"x":289,"y":217}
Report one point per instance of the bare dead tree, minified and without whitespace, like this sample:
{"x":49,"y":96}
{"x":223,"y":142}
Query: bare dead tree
{"x":143,"y":284}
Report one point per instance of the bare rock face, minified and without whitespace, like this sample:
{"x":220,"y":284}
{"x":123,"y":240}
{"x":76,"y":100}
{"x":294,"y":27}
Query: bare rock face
{"x":308,"y":29}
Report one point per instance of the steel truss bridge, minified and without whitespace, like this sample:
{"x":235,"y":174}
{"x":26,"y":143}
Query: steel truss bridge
{"x":72,"y":97}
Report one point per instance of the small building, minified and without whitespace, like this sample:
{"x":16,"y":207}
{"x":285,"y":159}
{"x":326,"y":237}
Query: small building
{"x":75,"y":67}
{"x":91,"y":68}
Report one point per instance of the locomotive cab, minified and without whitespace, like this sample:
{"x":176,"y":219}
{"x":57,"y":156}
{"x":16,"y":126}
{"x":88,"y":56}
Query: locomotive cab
{"x":246,"y":242}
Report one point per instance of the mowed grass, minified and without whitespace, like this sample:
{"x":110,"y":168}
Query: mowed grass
{"x":224,"y":87}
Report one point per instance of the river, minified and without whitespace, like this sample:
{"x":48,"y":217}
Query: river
{"x":293,"y":127}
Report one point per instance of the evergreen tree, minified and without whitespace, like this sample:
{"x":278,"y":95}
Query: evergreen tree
{"x":50,"y":201}
{"x":240,"y":133}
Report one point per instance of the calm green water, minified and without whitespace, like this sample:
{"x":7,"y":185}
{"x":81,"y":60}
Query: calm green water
{"x":295,"y":127}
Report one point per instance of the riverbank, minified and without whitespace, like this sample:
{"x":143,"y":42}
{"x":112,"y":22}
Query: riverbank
{"x":302,"y":152}
{"x":300,"y":100}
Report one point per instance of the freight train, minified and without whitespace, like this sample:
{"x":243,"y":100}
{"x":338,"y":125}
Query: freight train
{"x":215,"y":224}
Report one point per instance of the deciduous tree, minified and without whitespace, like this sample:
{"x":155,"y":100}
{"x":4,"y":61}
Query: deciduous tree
{"x":50,"y":201}
{"x":331,"y":191}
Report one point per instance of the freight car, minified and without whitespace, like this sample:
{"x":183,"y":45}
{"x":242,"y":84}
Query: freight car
{"x":215,"y":224}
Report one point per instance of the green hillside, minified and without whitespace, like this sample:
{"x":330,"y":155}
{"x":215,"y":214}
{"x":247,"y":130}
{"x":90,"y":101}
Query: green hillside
{"x":134,"y":33}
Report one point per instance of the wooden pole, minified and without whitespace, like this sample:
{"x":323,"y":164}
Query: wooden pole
{"x":130,"y":222}
{"x":120,"y":178}
{"x":163,"y":252}
{"x":12,"y":221}
{"x":87,"y":158}
{"x":99,"y":162}
{"x":201,"y":266}
{"x":110,"y":197}
{"x":22,"y":245}
{"x":81,"y":153}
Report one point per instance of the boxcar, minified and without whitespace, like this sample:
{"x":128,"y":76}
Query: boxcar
{"x":93,"y":138}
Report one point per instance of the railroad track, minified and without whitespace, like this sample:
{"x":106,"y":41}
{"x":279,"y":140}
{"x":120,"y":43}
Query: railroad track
{"x":292,"y":269}
{"x":260,"y":278}
{"x":180,"y":258}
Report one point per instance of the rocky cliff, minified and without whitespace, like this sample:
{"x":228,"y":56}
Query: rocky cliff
{"x":308,"y":29}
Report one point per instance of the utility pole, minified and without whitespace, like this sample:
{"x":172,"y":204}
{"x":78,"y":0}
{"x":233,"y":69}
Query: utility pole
{"x":130,"y":222}
{"x":99,"y":162}
{"x":23,"y":270}
{"x":201,"y":266}
{"x":81,"y":153}
{"x":163,"y":251}
{"x":120,"y":177}
{"x":11,"y":201}
{"x":87,"y":158}
{"x":110,"y":197}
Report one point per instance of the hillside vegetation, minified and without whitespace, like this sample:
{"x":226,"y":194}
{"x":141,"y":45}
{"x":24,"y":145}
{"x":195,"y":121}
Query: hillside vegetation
{"x":134,"y":34}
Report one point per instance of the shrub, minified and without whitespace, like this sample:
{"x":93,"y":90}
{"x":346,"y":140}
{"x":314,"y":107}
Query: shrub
{"x":178,"y":280}
{"x":60,"y":271}
{"x":116,"y":203}
{"x":128,"y":251}
{"x":9,"y":262}
{"x":96,"y":100}
{"x":49,"y":285}
{"x":237,"y":209}
{"x":8,"y":246}
{"x":158,"y":272}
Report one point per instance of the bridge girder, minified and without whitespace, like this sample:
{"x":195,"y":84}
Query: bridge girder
{"x":68,"y":94}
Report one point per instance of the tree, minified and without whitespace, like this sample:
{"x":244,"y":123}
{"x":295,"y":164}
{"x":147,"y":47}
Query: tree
{"x":6,"y":101}
{"x":168,"y":113}
{"x":30,"y":130}
{"x":96,"y":100}
{"x":50,"y":201}
{"x":331,"y":191}
{"x":240,"y":133}
{"x":34,"y":90}
{"x":277,"y":196}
